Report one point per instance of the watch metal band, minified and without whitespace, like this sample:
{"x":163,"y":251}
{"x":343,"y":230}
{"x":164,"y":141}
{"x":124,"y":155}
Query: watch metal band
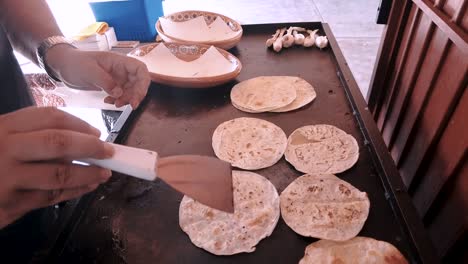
{"x":44,"y":47}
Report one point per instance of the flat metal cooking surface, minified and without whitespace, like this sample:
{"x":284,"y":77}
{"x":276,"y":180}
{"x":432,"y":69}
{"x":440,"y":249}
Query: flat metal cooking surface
{"x":133,"y":221}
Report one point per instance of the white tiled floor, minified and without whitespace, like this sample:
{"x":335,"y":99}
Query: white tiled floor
{"x":352,"y":22}
{"x":251,"y":11}
{"x":360,"y":53}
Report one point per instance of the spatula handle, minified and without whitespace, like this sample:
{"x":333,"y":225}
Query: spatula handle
{"x":139,"y":163}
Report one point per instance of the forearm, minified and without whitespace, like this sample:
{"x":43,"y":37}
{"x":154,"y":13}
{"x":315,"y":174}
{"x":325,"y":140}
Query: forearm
{"x":28,"y":23}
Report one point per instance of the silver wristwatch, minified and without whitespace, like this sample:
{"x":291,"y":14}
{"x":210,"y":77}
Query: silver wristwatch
{"x":44,"y":47}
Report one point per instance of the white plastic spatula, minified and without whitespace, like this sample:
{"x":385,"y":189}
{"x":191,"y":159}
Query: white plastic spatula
{"x":205,"y":179}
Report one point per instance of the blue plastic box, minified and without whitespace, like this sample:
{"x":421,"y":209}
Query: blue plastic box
{"x":131,"y":19}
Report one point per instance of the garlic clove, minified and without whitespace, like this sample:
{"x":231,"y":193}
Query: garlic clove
{"x":271,"y":40}
{"x":321,"y":42}
{"x":288,"y":39}
{"x":278,"y":44}
{"x":309,"y":41}
{"x":298,"y":38}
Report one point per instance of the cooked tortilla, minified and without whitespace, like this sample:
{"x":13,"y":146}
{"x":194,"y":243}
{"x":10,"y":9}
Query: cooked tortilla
{"x":321,"y":149}
{"x":305,"y":93}
{"x":325,"y":207}
{"x":249,"y":143}
{"x":256,"y":213}
{"x":264,"y":93}
{"x":359,"y":250}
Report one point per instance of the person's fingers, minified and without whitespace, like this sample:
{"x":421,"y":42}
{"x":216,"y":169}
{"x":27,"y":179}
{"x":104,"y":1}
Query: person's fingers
{"x":109,"y":100}
{"x":124,"y":99}
{"x":139,"y":77}
{"x":119,"y":70}
{"x":39,"y":118}
{"x":57,"y":144}
{"x":29,"y":200}
{"x":142,"y":83}
{"x":51,"y":176}
{"x":102,"y":79}
{"x":135,"y":91}
{"x":131,"y":74}
{"x":113,"y":64}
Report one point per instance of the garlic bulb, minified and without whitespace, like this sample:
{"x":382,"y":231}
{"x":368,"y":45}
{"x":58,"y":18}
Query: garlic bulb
{"x":288,"y":39}
{"x":271,"y":40}
{"x":278,"y":44}
{"x":298,"y":38}
{"x":309,"y":41}
{"x":321,"y":42}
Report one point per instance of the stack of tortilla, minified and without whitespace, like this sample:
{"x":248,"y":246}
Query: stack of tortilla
{"x":321,"y":149}
{"x":256,"y":213}
{"x":272,"y":94}
{"x":249,"y":143}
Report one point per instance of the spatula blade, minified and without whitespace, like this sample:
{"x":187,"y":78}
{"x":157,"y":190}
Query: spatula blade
{"x":205,"y":179}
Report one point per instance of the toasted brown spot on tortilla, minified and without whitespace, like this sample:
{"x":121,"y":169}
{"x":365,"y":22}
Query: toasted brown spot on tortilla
{"x":260,"y":219}
{"x":217,"y":245}
{"x":344,"y":189}
{"x":209,"y":214}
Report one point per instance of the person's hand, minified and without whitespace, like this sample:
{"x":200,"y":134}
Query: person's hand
{"x":37,"y":146}
{"x":125,"y":79}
